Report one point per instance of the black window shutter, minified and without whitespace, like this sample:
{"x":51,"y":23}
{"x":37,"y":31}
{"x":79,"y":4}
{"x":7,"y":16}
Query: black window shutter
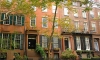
{"x":59,"y":43}
{"x":14,"y":22}
{"x":2,"y":17}
{"x":23,"y":19}
{"x":84,"y":48}
{"x":75,"y":44}
{"x":82,"y":45}
{"x":90,"y":40}
{"x":22,"y":41}
{"x":41,"y":40}
{"x":11,"y":17}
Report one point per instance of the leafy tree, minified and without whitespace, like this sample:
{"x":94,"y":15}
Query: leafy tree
{"x":25,"y":7}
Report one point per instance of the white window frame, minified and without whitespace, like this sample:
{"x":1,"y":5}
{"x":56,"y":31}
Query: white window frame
{"x":55,"y":42}
{"x":46,"y":22}
{"x":4,"y":22}
{"x":68,"y":42}
{"x":84,"y":14}
{"x":7,"y":43}
{"x":44,"y":9}
{"x":98,"y":14}
{"x":34,"y":24}
{"x":56,"y":23}
{"x":94,"y":27}
{"x":77,"y":26}
{"x":92,"y":14}
{"x":53,"y":8}
{"x":78,"y":43}
{"x":85,"y":26}
{"x":74,"y":3}
{"x":87,"y":42}
{"x":75,"y":13}
{"x":34,"y":8}
{"x":44,"y":41}
{"x":96,"y":45}
{"x":66,"y":11}
{"x":19,"y":20}
{"x":17,"y":40}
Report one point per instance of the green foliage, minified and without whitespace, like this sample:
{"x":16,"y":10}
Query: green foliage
{"x":25,"y":57}
{"x":18,"y":57}
{"x":67,"y":54}
{"x":40,"y":50}
{"x":86,"y":58}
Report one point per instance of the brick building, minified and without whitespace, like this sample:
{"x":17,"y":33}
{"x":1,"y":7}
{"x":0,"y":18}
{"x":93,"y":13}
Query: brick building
{"x":28,"y":31}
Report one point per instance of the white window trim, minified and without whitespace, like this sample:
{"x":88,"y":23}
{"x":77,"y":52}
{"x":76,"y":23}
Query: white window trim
{"x":43,"y":36}
{"x":5,"y":21}
{"x":34,"y":8}
{"x":66,"y":11}
{"x":78,"y":48}
{"x":97,"y":45}
{"x":44,"y":10}
{"x":46,"y":23}
{"x":56,"y":22}
{"x":17,"y":19}
{"x":84,"y":14}
{"x":53,"y":8}
{"x":15,"y":40}
{"x":87,"y":38}
{"x":31,"y":20}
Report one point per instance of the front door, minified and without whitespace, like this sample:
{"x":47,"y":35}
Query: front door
{"x":31,"y":41}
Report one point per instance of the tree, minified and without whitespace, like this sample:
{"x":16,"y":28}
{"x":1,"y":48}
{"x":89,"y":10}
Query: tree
{"x":26,"y":8}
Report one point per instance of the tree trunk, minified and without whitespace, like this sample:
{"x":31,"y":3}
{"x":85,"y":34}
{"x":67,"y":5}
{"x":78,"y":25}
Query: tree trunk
{"x":50,"y":39}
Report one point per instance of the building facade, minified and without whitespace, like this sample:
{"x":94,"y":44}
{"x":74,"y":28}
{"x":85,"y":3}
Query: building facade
{"x":28,"y":31}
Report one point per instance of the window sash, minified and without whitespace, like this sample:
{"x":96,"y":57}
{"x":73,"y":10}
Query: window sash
{"x":87,"y":43}
{"x":33,"y":22}
{"x":65,"y":11}
{"x":17,"y":41}
{"x":53,"y":8}
{"x":44,"y":41}
{"x":18,"y":20}
{"x":44,"y":9}
{"x":84,"y":14}
{"x":85,"y":26}
{"x":7,"y":21}
{"x":55,"y":42}
{"x":44,"y":22}
{"x":93,"y":26}
{"x":78,"y":42}
{"x":5,"y":40}
{"x":96,"y":45}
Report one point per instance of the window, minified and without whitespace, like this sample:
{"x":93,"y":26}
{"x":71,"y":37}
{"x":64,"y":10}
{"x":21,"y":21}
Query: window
{"x":17,"y":41}
{"x":7,"y":22}
{"x":65,"y":11}
{"x":5,"y":41}
{"x":56,"y":23}
{"x":75,"y":13}
{"x":44,"y":22}
{"x":53,"y":8}
{"x":44,"y":41}
{"x":76,"y":26}
{"x":34,"y":8}
{"x":33,"y":22}
{"x":94,"y":27}
{"x":55,"y":42}
{"x":96,"y":45}
{"x":74,"y":3}
{"x":84,"y":14}
{"x":44,"y":9}
{"x":85,"y":27}
{"x":18,"y":20}
{"x":98,"y":14}
{"x":78,"y":42}
{"x":56,"y":55}
{"x":87,"y":43}
{"x":92,"y":14}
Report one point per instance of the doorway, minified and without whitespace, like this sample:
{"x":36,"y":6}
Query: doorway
{"x":31,"y":41}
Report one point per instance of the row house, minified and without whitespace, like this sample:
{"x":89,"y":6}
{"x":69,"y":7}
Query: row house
{"x":28,"y":31}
